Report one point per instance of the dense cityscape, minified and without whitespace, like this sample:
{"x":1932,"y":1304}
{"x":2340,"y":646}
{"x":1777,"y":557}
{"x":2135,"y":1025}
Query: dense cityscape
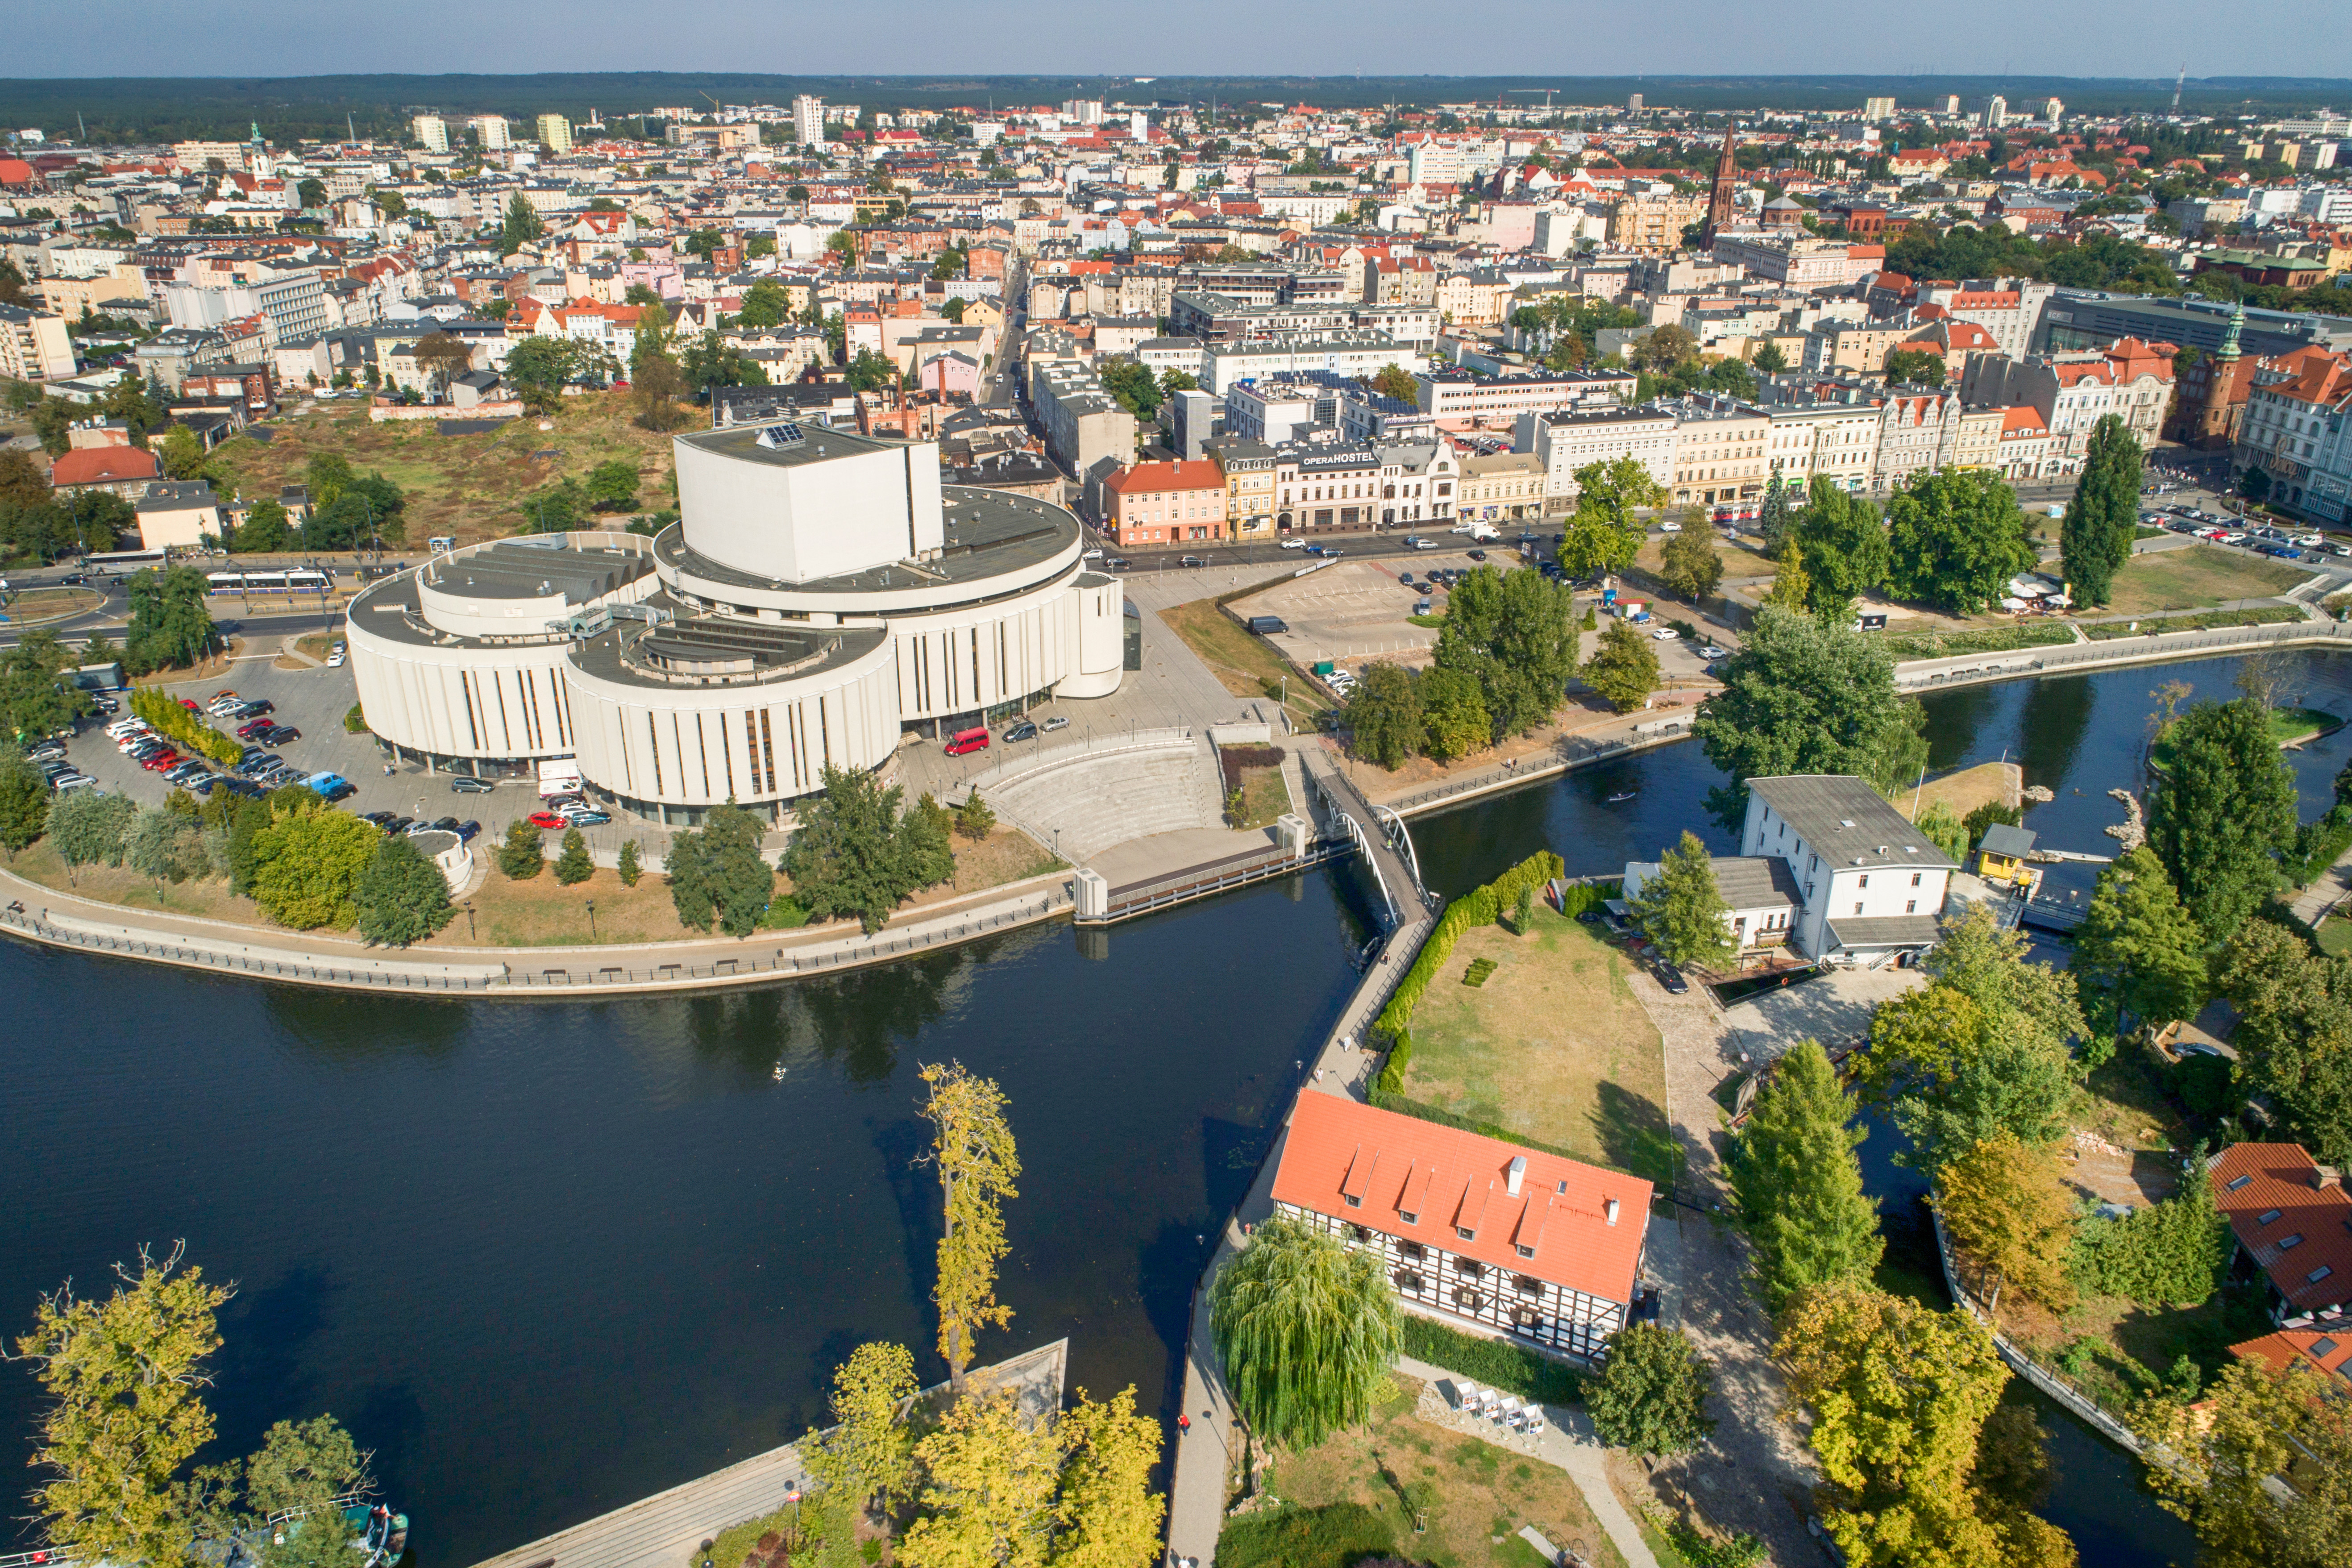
{"x":1182,"y":826}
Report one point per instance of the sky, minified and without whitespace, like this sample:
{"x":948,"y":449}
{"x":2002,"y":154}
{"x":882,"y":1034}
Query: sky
{"x":1595,"y":38}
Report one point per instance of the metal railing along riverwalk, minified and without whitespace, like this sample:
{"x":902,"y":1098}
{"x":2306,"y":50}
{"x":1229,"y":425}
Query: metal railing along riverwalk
{"x":1572,"y":752}
{"x":2140,"y":648}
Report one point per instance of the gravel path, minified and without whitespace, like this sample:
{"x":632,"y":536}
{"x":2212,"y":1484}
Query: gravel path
{"x":1754,"y":1475}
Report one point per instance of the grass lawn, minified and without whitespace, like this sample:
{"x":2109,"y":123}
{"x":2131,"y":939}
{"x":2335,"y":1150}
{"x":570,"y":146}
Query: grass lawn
{"x":2334,"y":937}
{"x":1265,"y":796}
{"x":1739,"y":560}
{"x":1553,"y":1047}
{"x":1902,"y":646}
{"x":2124,"y":1101}
{"x":1245,"y":664}
{"x":468,"y":487}
{"x":207,"y":898}
{"x":544,"y":912}
{"x":1467,"y":1492}
{"x":2199,"y":575}
{"x":37,"y":604}
{"x":2286,"y":724}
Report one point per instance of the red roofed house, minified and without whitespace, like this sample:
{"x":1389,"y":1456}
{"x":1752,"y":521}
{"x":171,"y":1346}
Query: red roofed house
{"x":2307,"y":1348}
{"x":1155,"y":503}
{"x":2024,"y":443}
{"x":1952,"y":337}
{"x":2293,"y":1220}
{"x":2073,"y":391}
{"x":119,"y":471}
{"x":1512,"y":1239}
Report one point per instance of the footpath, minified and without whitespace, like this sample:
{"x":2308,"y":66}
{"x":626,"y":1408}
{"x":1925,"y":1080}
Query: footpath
{"x":62,"y":919}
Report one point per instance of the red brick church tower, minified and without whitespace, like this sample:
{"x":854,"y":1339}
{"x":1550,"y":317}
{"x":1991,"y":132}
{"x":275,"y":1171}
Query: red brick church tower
{"x":2215,"y":420}
{"x":1718,"y":201}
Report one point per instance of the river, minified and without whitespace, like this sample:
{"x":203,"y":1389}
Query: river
{"x":545,"y":1259}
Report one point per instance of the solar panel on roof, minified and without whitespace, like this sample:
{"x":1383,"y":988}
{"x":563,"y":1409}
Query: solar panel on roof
{"x":785,"y":435}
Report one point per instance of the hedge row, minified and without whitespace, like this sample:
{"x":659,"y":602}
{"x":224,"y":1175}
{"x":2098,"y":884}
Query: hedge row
{"x":1481,"y":907}
{"x":1489,"y":1361}
{"x":165,"y":716}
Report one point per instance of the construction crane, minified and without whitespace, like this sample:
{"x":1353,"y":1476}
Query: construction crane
{"x":1548,"y":94}
{"x":2177,"y":83}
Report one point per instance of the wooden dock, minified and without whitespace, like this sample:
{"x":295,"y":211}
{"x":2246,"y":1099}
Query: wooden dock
{"x":666,"y":1530}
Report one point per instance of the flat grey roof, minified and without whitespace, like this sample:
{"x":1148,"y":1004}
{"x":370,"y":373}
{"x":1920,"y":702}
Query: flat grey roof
{"x":1757,"y":881}
{"x":1887,"y":931}
{"x":989,"y":533}
{"x":508,"y":570}
{"x":787,"y":444}
{"x":2003,"y":839}
{"x":771,"y":649}
{"x":1818,"y":806}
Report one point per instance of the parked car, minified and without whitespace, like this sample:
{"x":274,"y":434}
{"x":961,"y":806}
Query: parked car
{"x":160,"y":761}
{"x":462,"y":786}
{"x":278,"y":734}
{"x":252,"y":727}
{"x":189,"y":705}
{"x":257,"y":708}
{"x":1665,"y":634}
{"x":1023,"y":730}
{"x":545,"y":819}
{"x":1670,"y":526}
{"x":335,"y":660}
{"x":1670,"y":978}
{"x":586,"y":816}
{"x":1711,"y":651}
{"x":1293,"y":544}
{"x":72,"y":780}
{"x":377,"y":817}
{"x":396,"y":827}
{"x":1478,"y":555}
{"x":444,"y":824}
{"x":1059,"y":721}
{"x":467,"y":830}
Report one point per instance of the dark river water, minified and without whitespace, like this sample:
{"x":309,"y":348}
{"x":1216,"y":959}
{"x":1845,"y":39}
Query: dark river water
{"x":546,"y":1260}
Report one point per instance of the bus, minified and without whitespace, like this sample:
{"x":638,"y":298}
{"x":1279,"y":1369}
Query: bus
{"x":293,"y":580}
{"x":124,"y":561}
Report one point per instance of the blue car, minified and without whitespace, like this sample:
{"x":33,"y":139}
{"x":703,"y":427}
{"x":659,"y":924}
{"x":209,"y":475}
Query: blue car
{"x":333,"y":787}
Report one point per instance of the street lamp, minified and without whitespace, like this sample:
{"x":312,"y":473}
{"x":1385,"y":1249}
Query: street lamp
{"x":469,"y":919}
{"x":591,"y":920}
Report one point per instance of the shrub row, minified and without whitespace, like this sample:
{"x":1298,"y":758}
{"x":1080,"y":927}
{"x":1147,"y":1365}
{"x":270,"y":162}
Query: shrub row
{"x":1490,"y":1361}
{"x":164,"y":715}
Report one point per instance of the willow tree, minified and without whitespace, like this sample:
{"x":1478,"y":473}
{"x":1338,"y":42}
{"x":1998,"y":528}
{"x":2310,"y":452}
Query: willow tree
{"x":1307,"y":1329}
{"x":972,"y":1146}
{"x":125,"y":1380}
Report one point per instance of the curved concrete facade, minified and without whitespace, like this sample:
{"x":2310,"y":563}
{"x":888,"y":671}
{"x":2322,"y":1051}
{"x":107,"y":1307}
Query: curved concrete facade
{"x":821,"y":594}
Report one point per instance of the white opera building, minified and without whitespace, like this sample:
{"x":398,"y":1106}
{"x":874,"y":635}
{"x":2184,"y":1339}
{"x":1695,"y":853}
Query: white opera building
{"x":822,"y":598}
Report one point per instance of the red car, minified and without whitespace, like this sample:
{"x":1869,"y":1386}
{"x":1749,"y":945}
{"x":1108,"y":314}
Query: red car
{"x":248,"y":730}
{"x":546,"y":819}
{"x":190,"y":706}
{"x":160,"y":761}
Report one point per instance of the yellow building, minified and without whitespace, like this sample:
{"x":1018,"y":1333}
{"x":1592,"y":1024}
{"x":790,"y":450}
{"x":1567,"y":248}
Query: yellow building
{"x":2002,"y":857}
{"x":1249,"y":469}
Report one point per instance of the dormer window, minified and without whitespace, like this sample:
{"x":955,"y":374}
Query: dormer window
{"x":1526,"y":1251}
{"x":1408,"y":1218}
{"x":1465,"y":1234}
{"x":1353,"y":1202}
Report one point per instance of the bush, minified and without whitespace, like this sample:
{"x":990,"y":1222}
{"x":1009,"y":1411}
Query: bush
{"x":167,"y":718}
{"x":355,"y":722}
{"x":573,"y":865}
{"x":629,"y":870}
{"x":2170,"y":1254}
{"x":401,"y":897}
{"x":1335,"y":1536}
{"x":1493,"y":1363}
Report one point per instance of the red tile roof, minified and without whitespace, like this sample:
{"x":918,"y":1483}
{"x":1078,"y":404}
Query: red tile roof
{"x":2311,"y":1348}
{"x":1448,"y":1179}
{"x":1199,"y":474}
{"x":103,"y":466}
{"x":2293,"y":1219}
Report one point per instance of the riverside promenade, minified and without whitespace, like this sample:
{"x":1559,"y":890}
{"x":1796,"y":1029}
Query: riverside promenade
{"x":668,"y":1529}
{"x":52,"y":918}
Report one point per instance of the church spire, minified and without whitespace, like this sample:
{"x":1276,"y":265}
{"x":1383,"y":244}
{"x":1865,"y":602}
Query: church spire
{"x":1718,"y":201}
{"x":2229,"y":348}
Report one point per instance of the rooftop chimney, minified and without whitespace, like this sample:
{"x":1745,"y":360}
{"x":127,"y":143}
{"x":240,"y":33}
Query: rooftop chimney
{"x":2326,"y":1176}
{"x":1518,"y":1169}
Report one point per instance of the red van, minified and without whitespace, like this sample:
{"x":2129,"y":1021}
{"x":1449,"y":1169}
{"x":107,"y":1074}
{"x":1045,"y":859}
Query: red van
{"x":968,"y":741}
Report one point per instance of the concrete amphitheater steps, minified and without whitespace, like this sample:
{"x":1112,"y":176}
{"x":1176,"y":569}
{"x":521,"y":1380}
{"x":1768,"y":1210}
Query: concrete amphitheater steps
{"x":1098,"y":801}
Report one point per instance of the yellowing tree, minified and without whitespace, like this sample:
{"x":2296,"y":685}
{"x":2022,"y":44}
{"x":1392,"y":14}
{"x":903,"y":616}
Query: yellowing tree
{"x":1108,"y":1515}
{"x":2003,"y":1204}
{"x":2257,"y":1428}
{"x":972,"y":1145}
{"x":869,"y":1451}
{"x":990,"y":1487}
{"x":124,"y":1379}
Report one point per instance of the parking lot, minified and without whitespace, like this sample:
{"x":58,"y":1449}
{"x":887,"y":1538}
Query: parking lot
{"x":2306,"y":545}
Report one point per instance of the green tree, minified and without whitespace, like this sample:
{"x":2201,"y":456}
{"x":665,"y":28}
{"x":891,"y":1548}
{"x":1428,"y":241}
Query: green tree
{"x":36,"y":699}
{"x":1651,"y":1396}
{"x":1955,"y":539}
{"x":628,"y":869}
{"x":1806,"y":696}
{"x":521,"y":857}
{"x":765,"y":304}
{"x":1515,"y":633}
{"x":2103,"y":517}
{"x":1395,"y":381}
{"x":1946,"y":831}
{"x":1383,"y":714}
{"x":1681,"y":912}
{"x":264,"y":529}
{"x":310,"y":866}
{"x":304,"y":1464}
{"x":1796,"y":1185}
{"x":170,"y":626}
{"x":320,"y":1540}
{"x":1769,"y":359}
{"x":1603,"y":534}
{"x":401,"y":897}
{"x":88,"y":829}
{"x":2293,"y":1037}
{"x":1454,"y":721}
{"x":181,"y":455}
{"x":2226,"y":1459}
{"x":163,"y":845}
{"x":612,"y":485}
{"x":716,"y":873}
{"x":539,"y":369}
{"x":573,"y":865}
{"x":311,"y":193}
{"x":1777,"y":518}
{"x":854,"y":853}
{"x":1899,"y":1395}
{"x":973,"y":1152}
{"x":973,"y":819}
{"x":2222,"y":811}
{"x":1843,"y":545}
{"x":2139,"y":955}
{"x":124,"y":1381}
{"x":1916,"y":367}
{"x":2172,"y":1254}
{"x":23,"y":803}
{"x":1306,"y":1331}
{"x":522,"y":226}
{"x":1624,"y":667}
{"x":1690,"y":566}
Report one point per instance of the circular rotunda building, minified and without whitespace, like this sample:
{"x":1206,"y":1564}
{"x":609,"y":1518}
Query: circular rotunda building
{"x":822,"y":597}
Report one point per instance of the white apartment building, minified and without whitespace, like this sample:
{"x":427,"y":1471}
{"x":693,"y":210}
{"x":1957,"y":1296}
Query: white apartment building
{"x":1720,"y":450}
{"x":555,"y":133}
{"x":33,"y":347}
{"x":1464,"y":395}
{"x":808,"y":119}
{"x":1341,"y":353}
{"x":1577,"y":438}
{"x":1872,"y":883}
{"x":432,"y":133}
{"x":491,"y":130}
{"x":1838,"y":441}
{"x":1800,"y":261}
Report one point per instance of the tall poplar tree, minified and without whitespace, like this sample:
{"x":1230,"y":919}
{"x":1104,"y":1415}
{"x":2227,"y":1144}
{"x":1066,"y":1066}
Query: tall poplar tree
{"x":971,"y":1148}
{"x":1797,"y":1186}
{"x":2095,"y":539}
{"x":2222,"y":811}
{"x":2140,"y":954}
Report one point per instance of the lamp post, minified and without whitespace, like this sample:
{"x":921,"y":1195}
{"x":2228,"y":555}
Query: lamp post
{"x":469,"y":919}
{"x":591,"y":920}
